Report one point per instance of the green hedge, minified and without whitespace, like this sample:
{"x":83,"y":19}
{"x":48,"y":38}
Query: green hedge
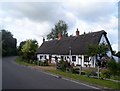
{"x":105,"y":73}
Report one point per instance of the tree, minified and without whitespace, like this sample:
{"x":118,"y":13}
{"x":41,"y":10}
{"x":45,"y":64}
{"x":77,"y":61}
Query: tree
{"x":114,"y":67}
{"x":118,"y":54}
{"x":60,"y":27}
{"x":29,"y":49}
{"x":20,"y":48}
{"x":9,"y":43}
{"x":97,"y":51}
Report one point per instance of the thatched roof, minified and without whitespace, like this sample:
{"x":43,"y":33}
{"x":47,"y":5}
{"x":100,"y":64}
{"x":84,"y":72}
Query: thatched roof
{"x":77,"y":44}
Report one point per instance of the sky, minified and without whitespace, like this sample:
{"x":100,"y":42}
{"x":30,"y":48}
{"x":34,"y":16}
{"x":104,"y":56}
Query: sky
{"x":35,"y":19}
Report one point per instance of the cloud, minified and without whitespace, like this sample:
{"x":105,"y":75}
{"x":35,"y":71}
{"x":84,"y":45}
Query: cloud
{"x":110,"y":27}
{"x":54,"y":11}
{"x":35,"y":19}
{"x":91,"y":11}
{"x":115,"y":47}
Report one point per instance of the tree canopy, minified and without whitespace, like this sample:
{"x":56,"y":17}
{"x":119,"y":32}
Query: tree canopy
{"x":29,"y":49}
{"x":9,"y":43}
{"x":118,"y":54}
{"x":20,"y":48}
{"x":97,"y":51}
{"x":100,"y":50}
{"x":60,"y":27}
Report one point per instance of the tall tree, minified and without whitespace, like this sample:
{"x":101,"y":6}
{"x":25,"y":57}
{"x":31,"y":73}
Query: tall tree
{"x":97,"y":51}
{"x":60,"y":27}
{"x":29,"y":49}
{"x":20,"y":48}
{"x":8,"y":44}
{"x":118,"y":54}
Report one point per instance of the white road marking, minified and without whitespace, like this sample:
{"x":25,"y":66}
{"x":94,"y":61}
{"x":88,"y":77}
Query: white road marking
{"x":81,"y":83}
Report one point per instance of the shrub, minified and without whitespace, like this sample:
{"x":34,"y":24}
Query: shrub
{"x":90,"y":72}
{"x":75,"y":70}
{"x":45,"y":63}
{"x":82,"y":72}
{"x":105,"y":73}
{"x":112,"y":66}
{"x":64,"y":65}
{"x":118,"y":68}
{"x":31,"y":61}
{"x":94,"y":73}
{"x":35,"y":62}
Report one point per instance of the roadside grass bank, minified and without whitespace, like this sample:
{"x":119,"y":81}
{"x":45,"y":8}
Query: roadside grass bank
{"x":105,"y":84}
{"x":21,"y":62}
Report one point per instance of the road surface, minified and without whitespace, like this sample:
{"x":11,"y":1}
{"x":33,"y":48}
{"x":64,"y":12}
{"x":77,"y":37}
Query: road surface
{"x":19,"y":77}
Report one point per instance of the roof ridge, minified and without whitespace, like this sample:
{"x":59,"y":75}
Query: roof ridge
{"x":102,"y":31}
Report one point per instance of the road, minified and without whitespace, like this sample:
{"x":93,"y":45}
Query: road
{"x":16,"y":76}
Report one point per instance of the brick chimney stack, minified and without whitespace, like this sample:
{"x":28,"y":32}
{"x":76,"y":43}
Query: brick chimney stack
{"x":59,"y":36}
{"x":77,"y":32}
{"x":43,"y":39}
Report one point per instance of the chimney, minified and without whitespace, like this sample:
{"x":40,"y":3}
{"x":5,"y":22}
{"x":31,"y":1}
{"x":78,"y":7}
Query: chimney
{"x":77,"y":32}
{"x":43,"y":39}
{"x":59,"y":36}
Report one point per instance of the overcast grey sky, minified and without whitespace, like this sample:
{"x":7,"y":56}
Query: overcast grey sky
{"x":34,"y":20}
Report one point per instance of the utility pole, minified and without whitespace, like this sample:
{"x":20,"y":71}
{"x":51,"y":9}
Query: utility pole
{"x":70,"y":52}
{"x":80,"y":69}
{"x":98,"y":72}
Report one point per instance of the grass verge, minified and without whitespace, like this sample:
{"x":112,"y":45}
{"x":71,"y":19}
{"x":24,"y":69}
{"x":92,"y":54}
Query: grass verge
{"x":98,"y":82}
{"x":21,"y":62}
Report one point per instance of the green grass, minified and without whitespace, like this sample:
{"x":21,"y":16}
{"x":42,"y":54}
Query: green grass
{"x":98,"y":82}
{"x":116,"y":78}
{"x":21,"y":62}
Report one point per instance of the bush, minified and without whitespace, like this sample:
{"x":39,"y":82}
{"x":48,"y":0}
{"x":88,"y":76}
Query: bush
{"x":45,"y":63}
{"x":105,"y":73}
{"x":35,"y":62}
{"x":90,"y":72}
{"x":113,"y":68}
{"x":31,"y":61}
{"x":118,"y":68}
{"x":75,"y":70}
{"x":94,"y":73}
{"x":64,"y":65}
{"x":83,"y":73}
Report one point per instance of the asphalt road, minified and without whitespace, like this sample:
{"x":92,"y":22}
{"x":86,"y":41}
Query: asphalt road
{"x":15,"y":76}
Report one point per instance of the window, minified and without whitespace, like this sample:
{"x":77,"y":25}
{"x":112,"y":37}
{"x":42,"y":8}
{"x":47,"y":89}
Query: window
{"x":41,"y":57}
{"x":45,"y":57}
{"x":61,"y":57}
{"x":73,"y":58}
{"x":67,"y":56}
{"x":86,"y":59}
